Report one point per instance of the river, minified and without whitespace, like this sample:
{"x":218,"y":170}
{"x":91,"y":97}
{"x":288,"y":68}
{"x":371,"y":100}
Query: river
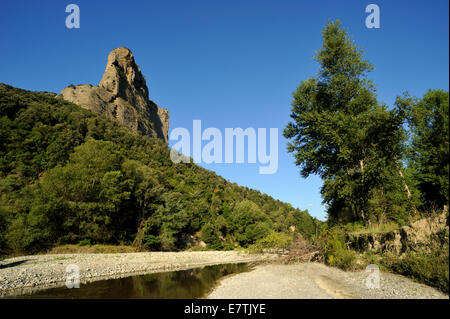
{"x":183,"y":284}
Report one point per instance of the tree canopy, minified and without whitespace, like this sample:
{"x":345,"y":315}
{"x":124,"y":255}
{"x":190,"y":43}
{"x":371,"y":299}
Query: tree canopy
{"x":429,"y":148}
{"x":341,"y":132}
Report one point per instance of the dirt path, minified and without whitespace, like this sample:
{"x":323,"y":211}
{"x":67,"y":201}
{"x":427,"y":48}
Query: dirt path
{"x":314,"y":280}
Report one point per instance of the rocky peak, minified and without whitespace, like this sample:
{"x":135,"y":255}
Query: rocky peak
{"x":123,"y":76}
{"x":122,"y":95}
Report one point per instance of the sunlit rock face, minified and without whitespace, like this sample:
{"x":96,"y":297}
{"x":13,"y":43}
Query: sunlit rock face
{"x":122,"y":94}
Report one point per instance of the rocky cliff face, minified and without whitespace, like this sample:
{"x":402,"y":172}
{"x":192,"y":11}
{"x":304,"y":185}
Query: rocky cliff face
{"x":122,"y":95}
{"x":423,"y":235}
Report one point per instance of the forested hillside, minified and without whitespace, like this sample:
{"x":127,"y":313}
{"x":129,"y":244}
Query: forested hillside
{"x":68,"y":175}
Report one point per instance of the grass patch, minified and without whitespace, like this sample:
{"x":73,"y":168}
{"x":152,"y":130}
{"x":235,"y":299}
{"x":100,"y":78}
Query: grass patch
{"x":91,"y":249}
{"x":357,"y":229}
{"x":199,"y":248}
{"x":61,"y":258}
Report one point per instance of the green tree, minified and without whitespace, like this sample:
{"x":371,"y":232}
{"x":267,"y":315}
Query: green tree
{"x":38,"y":222}
{"x":146,"y":187}
{"x":173,"y":216}
{"x":3,"y":228}
{"x":429,"y":123}
{"x":249,"y":223}
{"x":210,"y":235}
{"x":94,"y":188}
{"x":339,"y":130}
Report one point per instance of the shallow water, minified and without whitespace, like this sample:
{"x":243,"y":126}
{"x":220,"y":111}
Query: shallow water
{"x":192,"y":283}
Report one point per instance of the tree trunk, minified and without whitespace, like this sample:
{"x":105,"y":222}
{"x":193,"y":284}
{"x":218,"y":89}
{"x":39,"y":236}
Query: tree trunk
{"x":408,"y":192}
{"x":315,"y":223}
{"x":362,"y":213}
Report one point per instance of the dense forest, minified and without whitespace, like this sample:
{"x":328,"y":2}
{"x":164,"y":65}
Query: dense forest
{"x":68,"y":175}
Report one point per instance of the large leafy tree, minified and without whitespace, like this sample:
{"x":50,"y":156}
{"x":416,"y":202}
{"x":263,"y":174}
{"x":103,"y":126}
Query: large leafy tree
{"x":429,"y":123}
{"x":249,"y":223}
{"x":340,"y":131}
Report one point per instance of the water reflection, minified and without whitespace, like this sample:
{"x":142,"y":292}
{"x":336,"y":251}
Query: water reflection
{"x":193,"y":283}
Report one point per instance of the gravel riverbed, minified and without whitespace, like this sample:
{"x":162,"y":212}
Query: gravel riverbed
{"x":318,"y":281}
{"x":26,"y":274}
{"x":22,"y":275}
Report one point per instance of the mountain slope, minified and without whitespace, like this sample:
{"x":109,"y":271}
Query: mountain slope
{"x":69,"y":175}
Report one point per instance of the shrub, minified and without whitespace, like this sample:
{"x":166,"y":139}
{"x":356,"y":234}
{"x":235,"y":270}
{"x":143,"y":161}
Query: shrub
{"x":336,"y":252}
{"x":152,"y":242}
{"x":431,"y":269}
{"x":271,"y":241}
{"x":84,"y":242}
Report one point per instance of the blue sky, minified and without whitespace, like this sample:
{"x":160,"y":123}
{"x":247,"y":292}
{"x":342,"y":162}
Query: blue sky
{"x":227,"y":63}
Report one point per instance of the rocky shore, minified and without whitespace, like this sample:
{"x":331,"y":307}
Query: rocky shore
{"x":25,"y":274}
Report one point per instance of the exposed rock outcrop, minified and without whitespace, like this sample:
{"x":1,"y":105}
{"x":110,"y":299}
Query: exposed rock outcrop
{"x":423,"y":235}
{"x":122,"y":94}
